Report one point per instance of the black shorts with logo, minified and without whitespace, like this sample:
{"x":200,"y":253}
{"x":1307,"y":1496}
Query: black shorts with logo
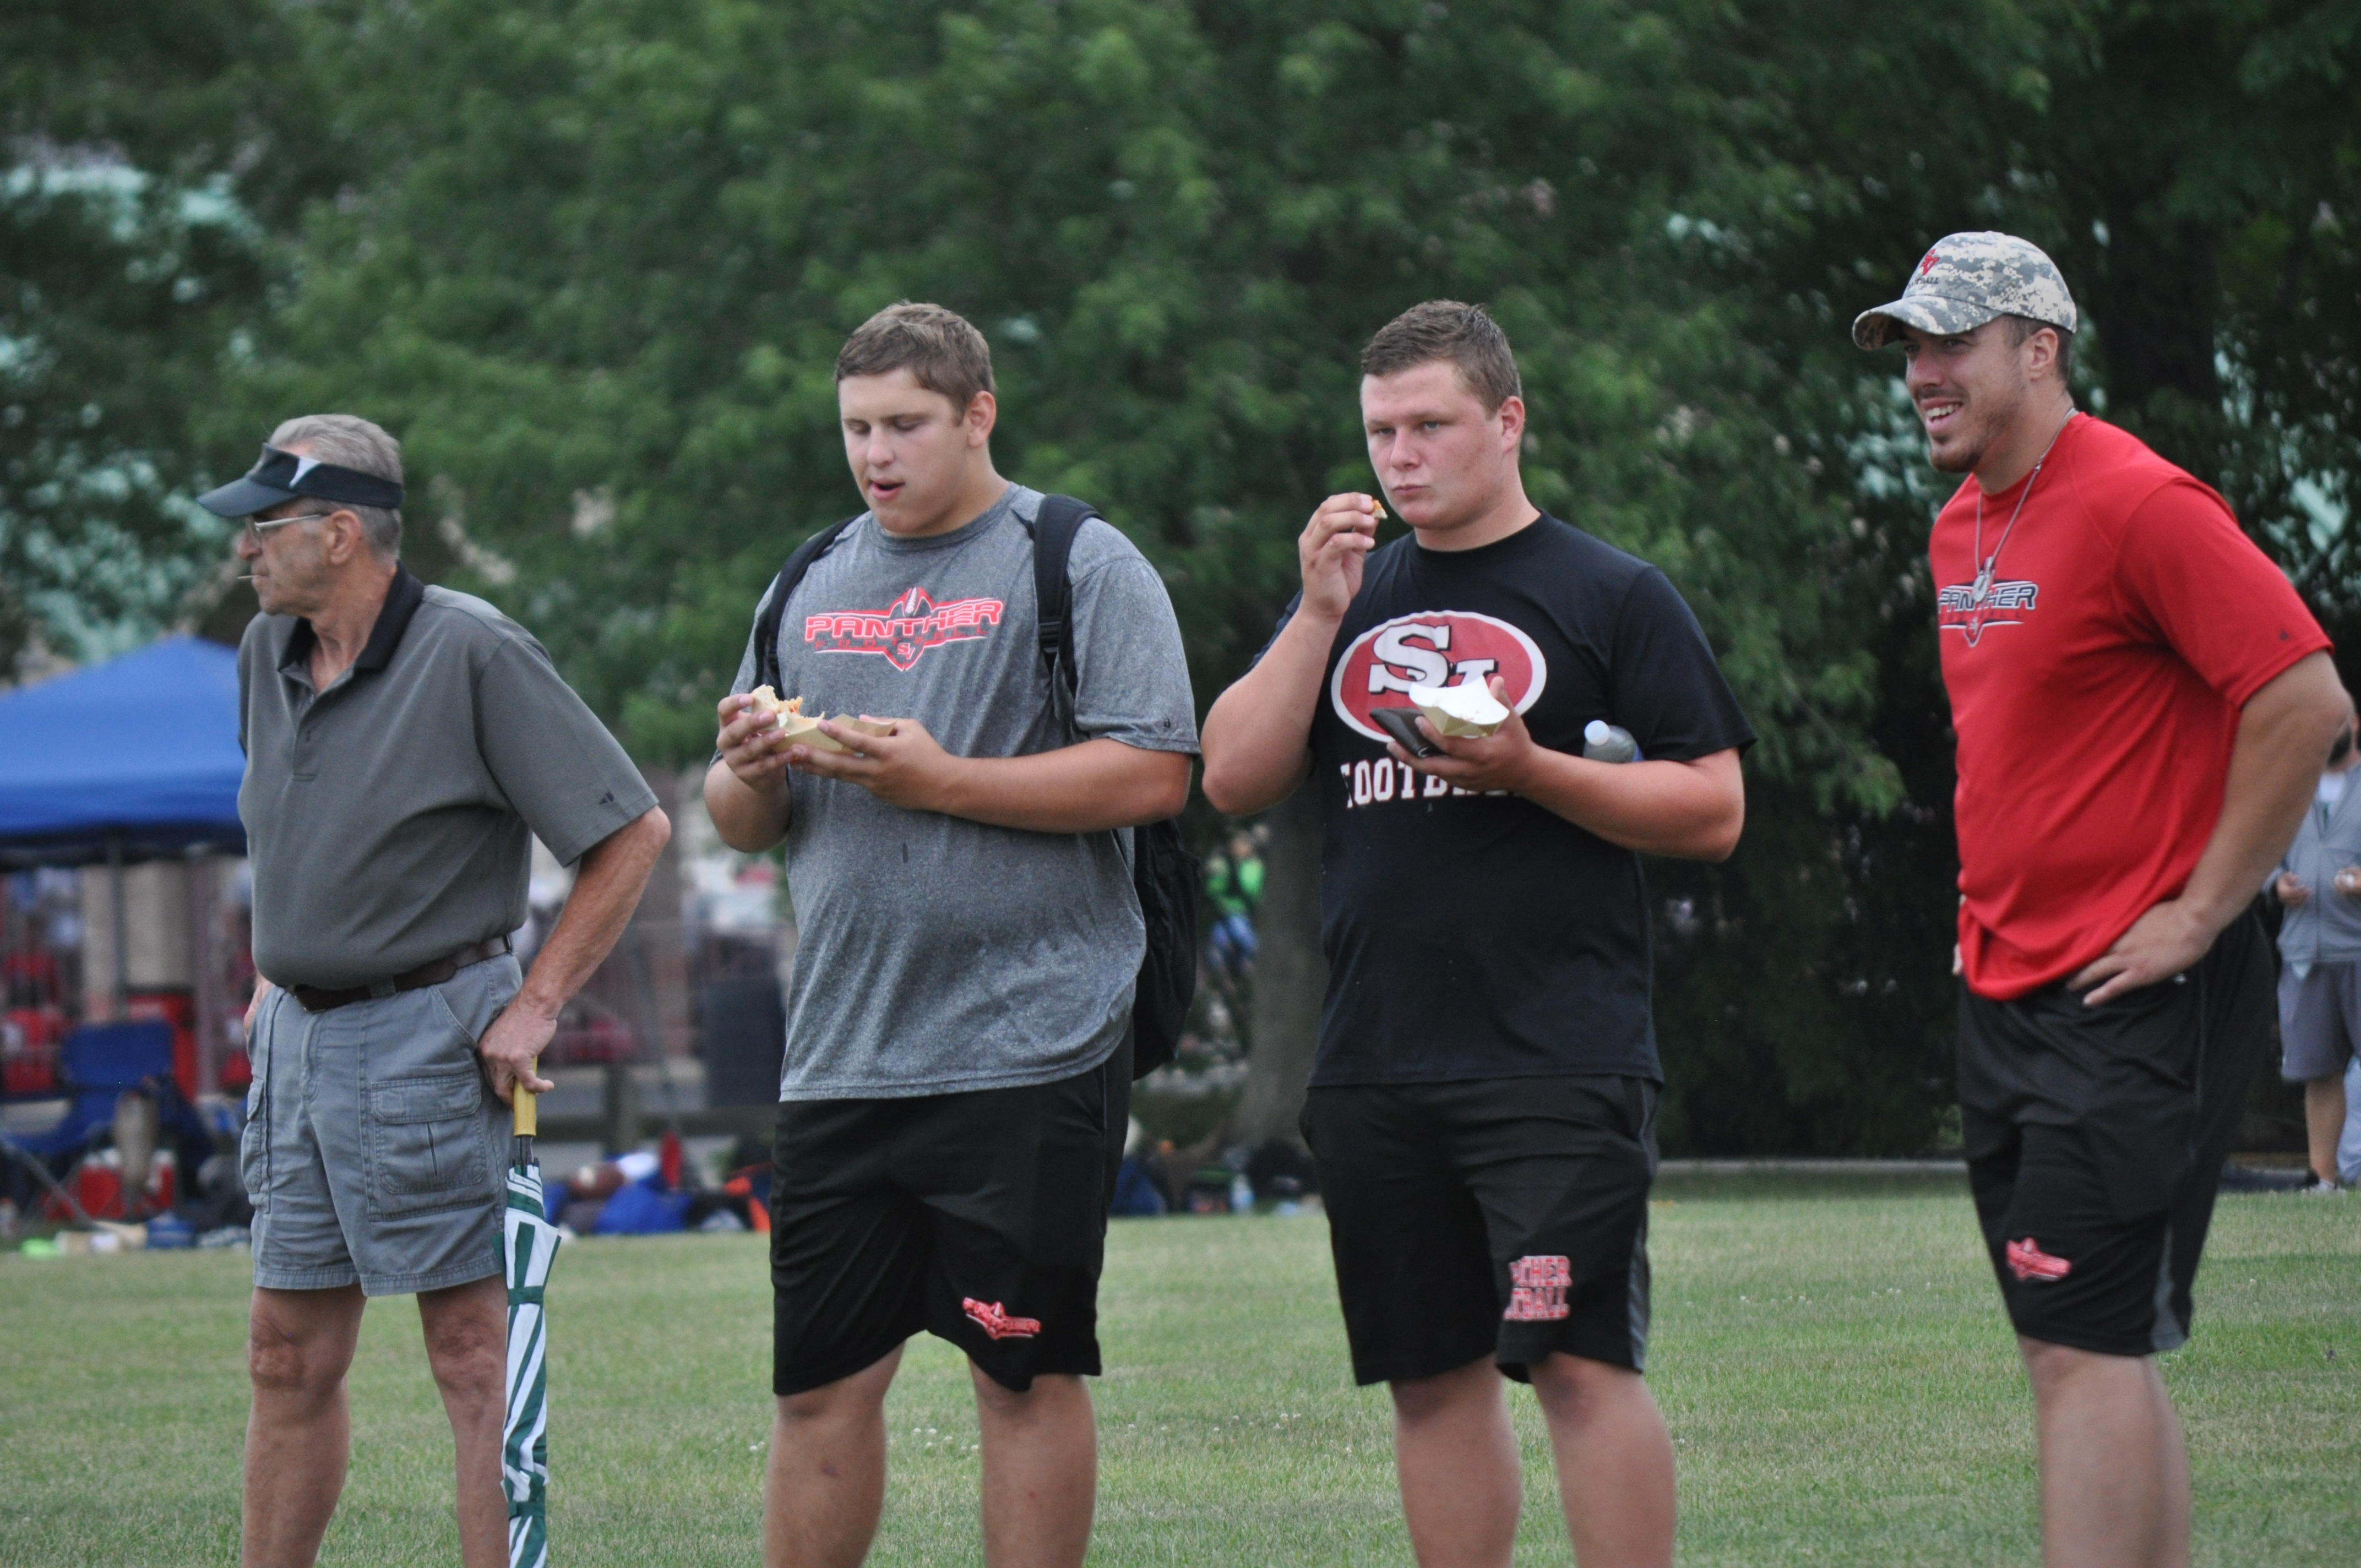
{"x":980,"y":1217}
{"x":1500,"y":1217}
{"x":2095,"y":1138}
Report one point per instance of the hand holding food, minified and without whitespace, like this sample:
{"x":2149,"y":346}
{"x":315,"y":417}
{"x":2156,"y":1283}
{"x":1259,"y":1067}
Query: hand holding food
{"x":1466,"y":711}
{"x":795,"y":728}
{"x":1331,"y":549}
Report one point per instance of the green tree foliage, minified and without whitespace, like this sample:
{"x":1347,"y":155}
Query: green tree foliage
{"x":140,"y":172}
{"x":593,"y":258}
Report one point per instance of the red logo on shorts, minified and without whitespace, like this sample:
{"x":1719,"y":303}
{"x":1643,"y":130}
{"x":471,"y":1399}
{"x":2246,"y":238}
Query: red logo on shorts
{"x":994,"y":1319}
{"x":1537,"y":1289}
{"x":2029,"y":1262}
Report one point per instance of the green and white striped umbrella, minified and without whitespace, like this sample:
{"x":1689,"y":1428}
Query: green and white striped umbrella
{"x":532,"y":1247}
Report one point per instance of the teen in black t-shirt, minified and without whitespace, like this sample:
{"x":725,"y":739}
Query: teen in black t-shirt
{"x":1479,"y":934}
{"x":1482,"y":1107}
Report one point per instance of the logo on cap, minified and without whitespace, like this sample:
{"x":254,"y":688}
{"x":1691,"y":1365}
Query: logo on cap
{"x":302,"y":467}
{"x":1928,"y":265}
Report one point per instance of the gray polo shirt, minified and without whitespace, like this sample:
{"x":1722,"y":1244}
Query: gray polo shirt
{"x":390,"y":818}
{"x":2326,"y":927}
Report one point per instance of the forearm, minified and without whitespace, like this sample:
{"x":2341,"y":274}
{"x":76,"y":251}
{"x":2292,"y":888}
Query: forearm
{"x":749,"y":820}
{"x":606,"y":891}
{"x":2284,"y":733}
{"x":1084,"y":788}
{"x":1258,"y":734}
{"x":1692,"y":810}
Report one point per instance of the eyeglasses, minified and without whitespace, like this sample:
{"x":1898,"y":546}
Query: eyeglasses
{"x":255,"y":530}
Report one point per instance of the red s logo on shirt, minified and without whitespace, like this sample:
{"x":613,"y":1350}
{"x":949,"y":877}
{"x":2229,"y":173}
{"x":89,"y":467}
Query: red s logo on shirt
{"x":1433,"y":648}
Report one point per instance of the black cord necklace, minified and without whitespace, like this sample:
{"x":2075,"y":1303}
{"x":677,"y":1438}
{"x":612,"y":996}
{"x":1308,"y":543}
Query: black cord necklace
{"x":1983,"y":584}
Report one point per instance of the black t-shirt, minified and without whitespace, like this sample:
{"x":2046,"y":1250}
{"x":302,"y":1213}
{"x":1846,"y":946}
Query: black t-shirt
{"x":1475,"y":936}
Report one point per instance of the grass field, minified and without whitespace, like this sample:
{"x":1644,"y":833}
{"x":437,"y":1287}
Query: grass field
{"x":1840,"y":1383}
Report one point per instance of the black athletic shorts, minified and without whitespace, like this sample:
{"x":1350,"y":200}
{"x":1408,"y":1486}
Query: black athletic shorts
{"x":979,"y":1217}
{"x":2095,"y":1138}
{"x":1500,"y":1217}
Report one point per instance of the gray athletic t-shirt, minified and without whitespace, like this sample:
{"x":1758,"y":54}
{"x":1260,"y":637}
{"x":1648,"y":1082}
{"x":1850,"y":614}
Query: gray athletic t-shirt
{"x":936,"y":954}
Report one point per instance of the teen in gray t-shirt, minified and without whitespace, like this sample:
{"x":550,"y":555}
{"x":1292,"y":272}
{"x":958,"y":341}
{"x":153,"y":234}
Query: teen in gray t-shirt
{"x":939,"y":954}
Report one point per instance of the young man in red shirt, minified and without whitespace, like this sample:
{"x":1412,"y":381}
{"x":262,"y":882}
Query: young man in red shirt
{"x":1482,"y":1107}
{"x":2143,"y":705}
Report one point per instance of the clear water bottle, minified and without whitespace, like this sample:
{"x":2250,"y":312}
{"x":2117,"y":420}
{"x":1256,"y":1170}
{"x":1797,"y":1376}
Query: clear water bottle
{"x":1605,"y":742}
{"x":1241,"y":1194}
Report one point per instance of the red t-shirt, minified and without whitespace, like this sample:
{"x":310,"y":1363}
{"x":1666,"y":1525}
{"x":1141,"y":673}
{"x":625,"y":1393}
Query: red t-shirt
{"x":2095,"y":689}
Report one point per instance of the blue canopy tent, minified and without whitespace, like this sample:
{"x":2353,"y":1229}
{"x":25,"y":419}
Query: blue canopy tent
{"x":132,"y":760}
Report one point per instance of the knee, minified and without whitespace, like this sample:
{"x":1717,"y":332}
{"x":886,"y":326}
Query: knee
{"x":1418,"y":1400}
{"x":1570,"y":1386}
{"x":285,"y":1367}
{"x":832,"y":1403}
{"x":470,"y":1359}
{"x":2059,"y":1370}
{"x":1051,"y":1395}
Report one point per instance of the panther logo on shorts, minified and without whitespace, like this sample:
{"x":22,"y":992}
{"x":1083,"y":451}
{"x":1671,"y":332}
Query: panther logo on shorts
{"x":2027,"y":1261}
{"x":994,"y":1319}
{"x":1537,"y":1289}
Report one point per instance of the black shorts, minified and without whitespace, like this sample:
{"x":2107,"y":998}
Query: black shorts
{"x":2095,"y":1138}
{"x":1500,"y":1217}
{"x":979,"y":1217}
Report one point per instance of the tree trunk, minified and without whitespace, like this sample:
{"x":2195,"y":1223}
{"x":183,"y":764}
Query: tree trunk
{"x":1291,"y":975}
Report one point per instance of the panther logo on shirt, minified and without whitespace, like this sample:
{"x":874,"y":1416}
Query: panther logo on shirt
{"x":901,"y":632}
{"x":1958,"y":607}
{"x":1433,"y":648}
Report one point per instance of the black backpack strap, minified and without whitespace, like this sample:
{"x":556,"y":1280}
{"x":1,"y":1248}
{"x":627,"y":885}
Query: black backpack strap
{"x":1061,"y":518}
{"x":774,"y":608}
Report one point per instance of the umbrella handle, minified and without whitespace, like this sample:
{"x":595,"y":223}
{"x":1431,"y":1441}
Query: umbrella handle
{"x":526,"y":1119}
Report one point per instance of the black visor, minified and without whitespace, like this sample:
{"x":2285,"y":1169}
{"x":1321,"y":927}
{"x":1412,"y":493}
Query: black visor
{"x":279,"y":476}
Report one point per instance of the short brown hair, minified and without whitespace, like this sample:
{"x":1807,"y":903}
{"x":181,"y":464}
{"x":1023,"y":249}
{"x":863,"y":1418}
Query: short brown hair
{"x":2022,"y":327}
{"x":940,"y":347}
{"x":1465,"y":334}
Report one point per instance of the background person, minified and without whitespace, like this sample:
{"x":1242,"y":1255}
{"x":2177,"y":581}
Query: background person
{"x":2142,"y":705}
{"x":957,"y":1080}
{"x":2319,"y":883}
{"x":1482,"y":1107}
{"x":404,"y":745}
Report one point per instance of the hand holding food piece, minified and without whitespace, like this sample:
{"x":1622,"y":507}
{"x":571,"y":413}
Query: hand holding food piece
{"x":795,"y":728}
{"x":1466,"y":711}
{"x":1331,"y":549}
{"x":2348,"y":881}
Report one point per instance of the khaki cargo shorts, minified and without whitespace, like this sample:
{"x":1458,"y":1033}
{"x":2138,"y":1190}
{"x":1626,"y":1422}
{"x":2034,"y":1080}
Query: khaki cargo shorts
{"x":373,"y":1151}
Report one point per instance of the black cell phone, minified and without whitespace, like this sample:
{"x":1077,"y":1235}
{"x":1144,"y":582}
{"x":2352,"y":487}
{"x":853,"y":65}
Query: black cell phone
{"x":1402,"y":723}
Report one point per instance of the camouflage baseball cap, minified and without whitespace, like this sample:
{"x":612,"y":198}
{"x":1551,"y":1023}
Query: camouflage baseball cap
{"x":1966,"y":280}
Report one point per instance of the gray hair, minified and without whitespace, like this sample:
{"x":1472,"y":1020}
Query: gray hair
{"x":351,"y":442}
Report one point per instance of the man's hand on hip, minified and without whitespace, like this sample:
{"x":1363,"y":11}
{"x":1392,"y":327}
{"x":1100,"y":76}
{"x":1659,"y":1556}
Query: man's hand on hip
{"x":2165,"y":941}
{"x":509,"y":1046}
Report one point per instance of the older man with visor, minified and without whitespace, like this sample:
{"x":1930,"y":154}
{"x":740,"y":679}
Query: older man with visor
{"x":404,"y":744}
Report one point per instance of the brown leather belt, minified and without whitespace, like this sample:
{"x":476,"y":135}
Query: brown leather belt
{"x":313,"y":999}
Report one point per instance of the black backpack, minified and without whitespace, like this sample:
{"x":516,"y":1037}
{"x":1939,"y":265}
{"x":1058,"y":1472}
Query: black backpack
{"x":1164,"y":873}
